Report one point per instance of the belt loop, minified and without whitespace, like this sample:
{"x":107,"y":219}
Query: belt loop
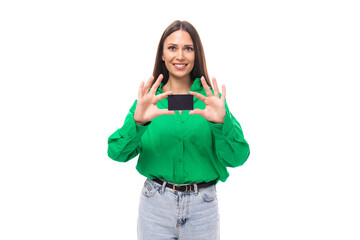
{"x":196,"y":189}
{"x":163,"y":187}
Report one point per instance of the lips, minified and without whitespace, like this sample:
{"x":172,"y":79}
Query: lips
{"x":179,"y":66}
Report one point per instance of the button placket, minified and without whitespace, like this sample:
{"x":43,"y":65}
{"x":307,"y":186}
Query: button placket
{"x":179,"y":171}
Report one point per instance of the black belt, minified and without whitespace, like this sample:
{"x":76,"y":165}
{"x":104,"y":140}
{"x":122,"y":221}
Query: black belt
{"x":184,"y":188}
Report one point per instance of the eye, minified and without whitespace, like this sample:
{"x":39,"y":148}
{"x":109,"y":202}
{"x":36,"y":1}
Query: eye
{"x":189,"y":49}
{"x":171,"y":48}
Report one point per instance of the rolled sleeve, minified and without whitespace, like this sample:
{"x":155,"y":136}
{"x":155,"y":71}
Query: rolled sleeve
{"x":125,"y":143}
{"x":230,"y":145}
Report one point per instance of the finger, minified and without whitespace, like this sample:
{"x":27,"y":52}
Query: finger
{"x":156,"y":84}
{"x":223,"y":95}
{"x":216,"y":89}
{"x":140,"y":92}
{"x":162,"y":96}
{"x":198,"y":96}
{"x":206,"y":87}
{"x":147,"y":85}
{"x":165,"y":112}
{"x":198,"y":112}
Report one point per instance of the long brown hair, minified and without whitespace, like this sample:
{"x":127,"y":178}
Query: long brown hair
{"x":199,"y":69}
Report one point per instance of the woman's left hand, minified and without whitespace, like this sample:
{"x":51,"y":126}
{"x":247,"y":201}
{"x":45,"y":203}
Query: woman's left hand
{"x":215,"y":106}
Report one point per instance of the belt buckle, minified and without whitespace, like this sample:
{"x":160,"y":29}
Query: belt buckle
{"x":186,"y":188}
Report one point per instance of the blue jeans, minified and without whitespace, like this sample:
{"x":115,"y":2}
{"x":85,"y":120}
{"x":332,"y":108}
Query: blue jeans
{"x":167,"y":214}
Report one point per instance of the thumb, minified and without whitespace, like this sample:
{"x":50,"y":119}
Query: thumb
{"x":198,"y":112}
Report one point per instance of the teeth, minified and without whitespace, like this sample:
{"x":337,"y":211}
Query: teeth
{"x":178,"y":65}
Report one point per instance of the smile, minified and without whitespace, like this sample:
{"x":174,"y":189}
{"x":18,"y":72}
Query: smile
{"x":180,"y":66}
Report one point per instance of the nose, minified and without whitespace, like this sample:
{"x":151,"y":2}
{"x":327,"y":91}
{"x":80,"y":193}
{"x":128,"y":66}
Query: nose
{"x":180,"y":56}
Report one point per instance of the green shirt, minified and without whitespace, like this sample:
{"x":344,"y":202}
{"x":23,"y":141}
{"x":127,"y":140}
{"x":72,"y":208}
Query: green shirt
{"x":181,"y":148}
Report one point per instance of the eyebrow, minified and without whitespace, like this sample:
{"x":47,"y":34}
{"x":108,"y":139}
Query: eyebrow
{"x":186,"y":45}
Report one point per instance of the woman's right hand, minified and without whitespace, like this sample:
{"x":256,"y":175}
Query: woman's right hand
{"x":146,"y":109}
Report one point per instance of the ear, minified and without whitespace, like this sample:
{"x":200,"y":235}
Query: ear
{"x":162,"y":57}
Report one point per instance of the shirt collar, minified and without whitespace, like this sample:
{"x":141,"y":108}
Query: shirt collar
{"x":196,"y":86}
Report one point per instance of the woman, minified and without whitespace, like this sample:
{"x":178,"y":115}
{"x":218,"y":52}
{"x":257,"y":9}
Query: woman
{"x":183,"y":154}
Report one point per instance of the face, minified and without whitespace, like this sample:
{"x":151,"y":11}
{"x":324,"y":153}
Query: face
{"x":178,"y":54}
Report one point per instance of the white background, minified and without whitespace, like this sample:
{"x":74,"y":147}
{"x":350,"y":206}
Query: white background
{"x":70,"y":71}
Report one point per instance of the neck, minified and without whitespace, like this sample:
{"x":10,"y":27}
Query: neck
{"x":178,"y":86}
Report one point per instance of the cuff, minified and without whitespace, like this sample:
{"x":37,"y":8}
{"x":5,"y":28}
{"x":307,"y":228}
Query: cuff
{"x":221,"y":129}
{"x":131,"y":130}
{"x":227,"y":129}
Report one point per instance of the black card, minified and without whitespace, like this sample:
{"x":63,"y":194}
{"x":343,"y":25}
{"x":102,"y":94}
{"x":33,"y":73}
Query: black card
{"x":181,"y":102}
